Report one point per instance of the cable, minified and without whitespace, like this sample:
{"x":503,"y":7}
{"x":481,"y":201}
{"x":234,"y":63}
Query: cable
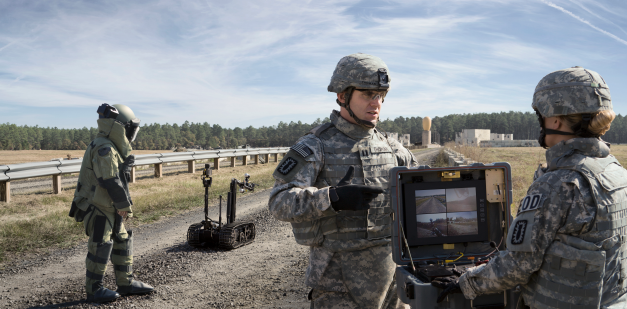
{"x":411,"y":260}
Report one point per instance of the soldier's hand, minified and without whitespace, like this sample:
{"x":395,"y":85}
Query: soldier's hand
{"x":449,"y":285}
{"x":345,"y":196}
{"x":130,"y":160}
{"x":123,"y":213}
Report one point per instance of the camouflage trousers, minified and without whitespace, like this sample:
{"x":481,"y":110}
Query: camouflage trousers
{"x":105,"y":243}
{"x":339,"y":300}
{"x":357,"y":279}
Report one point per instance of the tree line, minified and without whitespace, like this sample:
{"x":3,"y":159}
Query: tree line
{"x":168,"y":136}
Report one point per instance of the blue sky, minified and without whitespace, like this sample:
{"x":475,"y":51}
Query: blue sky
{"x":240,"y":63}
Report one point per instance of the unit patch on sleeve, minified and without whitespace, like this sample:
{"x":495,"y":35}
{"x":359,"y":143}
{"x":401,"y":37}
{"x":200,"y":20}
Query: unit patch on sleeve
{"x":104,"y":151}
{"x":518,"y":234}
{"x":530,"y":202}
{"x":302,"y":150}
{"x":287,"y":166}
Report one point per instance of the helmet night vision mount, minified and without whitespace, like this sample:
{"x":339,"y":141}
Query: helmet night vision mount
{"x":122,"y":114}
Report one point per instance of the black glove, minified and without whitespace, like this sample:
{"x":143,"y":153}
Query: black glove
{"x":126,"y":167}
{"x":345,"y":196}
{"x":449,"y":284}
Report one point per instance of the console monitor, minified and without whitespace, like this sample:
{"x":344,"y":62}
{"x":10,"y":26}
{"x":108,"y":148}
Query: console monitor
{"x":445,"y":212}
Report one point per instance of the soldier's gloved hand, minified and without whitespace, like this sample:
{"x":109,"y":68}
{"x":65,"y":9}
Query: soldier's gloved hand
{"x":345,"y":196}
{"x":127,"y":165}
{"x":130,"y":160}
{"x":449,"y":284}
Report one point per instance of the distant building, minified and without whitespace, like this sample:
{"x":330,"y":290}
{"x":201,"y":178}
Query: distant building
{"x":483,"y":138}
{"x":403,"y":139}
{"x":472,"y":137}
{"x":501,"y":137}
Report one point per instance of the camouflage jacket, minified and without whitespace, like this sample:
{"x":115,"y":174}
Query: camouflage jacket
{"x":560,"y":214}
{"x":299,"y":195}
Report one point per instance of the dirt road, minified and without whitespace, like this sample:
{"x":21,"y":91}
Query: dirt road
{"x":430,"y":206}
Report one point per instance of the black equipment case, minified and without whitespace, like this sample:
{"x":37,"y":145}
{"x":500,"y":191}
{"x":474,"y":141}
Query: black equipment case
{"x":462,"y":236}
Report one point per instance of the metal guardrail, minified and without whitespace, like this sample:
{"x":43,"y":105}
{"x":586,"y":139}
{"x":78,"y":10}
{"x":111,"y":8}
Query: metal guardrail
{"x":57,"y":167}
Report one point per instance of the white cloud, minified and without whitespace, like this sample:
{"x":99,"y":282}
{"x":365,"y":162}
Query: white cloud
{"x":551,"y":4}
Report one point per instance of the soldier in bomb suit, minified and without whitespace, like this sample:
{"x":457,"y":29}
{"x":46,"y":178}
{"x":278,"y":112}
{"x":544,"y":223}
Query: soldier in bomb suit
{"x":102,"y":200}
{"x":566,"y":247}
{"x":332,"y":186}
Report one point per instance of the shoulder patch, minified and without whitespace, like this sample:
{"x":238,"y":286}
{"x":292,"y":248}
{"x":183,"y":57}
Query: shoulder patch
{"x":519,"y":234}
{"x":287,"y":165}
{"x":530,"y":202}
{"x":302,"y":149}
{"x":104,"y":151}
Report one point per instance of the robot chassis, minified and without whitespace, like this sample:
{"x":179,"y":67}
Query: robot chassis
{"x":231,"y":235}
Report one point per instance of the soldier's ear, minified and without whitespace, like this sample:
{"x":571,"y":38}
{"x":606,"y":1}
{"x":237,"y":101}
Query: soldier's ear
{"x":341,"y":97}
{"x":553,"y":123}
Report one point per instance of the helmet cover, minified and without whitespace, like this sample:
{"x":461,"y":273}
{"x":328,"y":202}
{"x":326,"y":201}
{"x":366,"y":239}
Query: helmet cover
{"x":571,"y":91}
{"x":361,"y":71}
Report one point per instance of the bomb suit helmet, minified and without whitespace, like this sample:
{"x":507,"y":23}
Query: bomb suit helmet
{"x":124,"y":115}
{"x":359,"y":71}
{"x":570,"y":91}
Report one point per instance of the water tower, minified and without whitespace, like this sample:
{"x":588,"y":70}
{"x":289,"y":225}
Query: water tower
{"x":426,"y":131}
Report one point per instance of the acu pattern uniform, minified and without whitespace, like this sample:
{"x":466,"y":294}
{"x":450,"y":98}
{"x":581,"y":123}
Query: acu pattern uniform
{"x":350,"y":263}
{"x":566,"y":247}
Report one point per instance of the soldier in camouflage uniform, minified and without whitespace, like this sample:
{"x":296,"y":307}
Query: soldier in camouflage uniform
{"x":332,"y":186}
{"x":566,"y":247}
{"x":102,"y":200}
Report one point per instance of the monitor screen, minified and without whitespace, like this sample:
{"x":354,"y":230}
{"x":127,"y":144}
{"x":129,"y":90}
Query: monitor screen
{"x":445,"y":212}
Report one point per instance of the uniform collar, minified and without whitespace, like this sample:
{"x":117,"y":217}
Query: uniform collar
{"x":590,"y":147}
{"x":114,"y":131}
{"x":352,"y":130}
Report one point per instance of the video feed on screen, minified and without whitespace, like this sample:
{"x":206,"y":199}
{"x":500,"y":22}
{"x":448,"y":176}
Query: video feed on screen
{"x":446,"y":212}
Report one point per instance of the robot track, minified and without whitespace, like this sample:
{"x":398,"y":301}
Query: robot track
{"x":194,"y":235}
{"x":237,"y":234}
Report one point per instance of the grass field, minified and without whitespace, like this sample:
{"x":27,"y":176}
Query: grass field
{"x":34,"y":223}
{"x":524,"y":162}
{"x":25,"y":156}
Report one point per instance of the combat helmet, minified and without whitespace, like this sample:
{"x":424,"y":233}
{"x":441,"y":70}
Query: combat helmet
{"x":570,"y":91}
{"x":359,"y":71}
{"x":122,"y":114}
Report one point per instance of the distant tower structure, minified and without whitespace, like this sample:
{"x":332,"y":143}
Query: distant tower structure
{"x":426,"y":131}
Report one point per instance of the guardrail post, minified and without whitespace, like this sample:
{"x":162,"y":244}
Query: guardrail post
{"x":158,"y":170}
{"x":267,"y":158}
{"x":233,"y":161}
{"x":56,"y":184}
{"x":276,"y":157}
{"x":5,"y":191}
{"x":132,"y":175}
{"x":244,"y":160}
{"x":191,"y":166}
{"x":256,"y":159}
{"x":216,"y":164}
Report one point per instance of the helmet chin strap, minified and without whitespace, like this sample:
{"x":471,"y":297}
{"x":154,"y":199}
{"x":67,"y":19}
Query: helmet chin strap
{"x":347,"y":99}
